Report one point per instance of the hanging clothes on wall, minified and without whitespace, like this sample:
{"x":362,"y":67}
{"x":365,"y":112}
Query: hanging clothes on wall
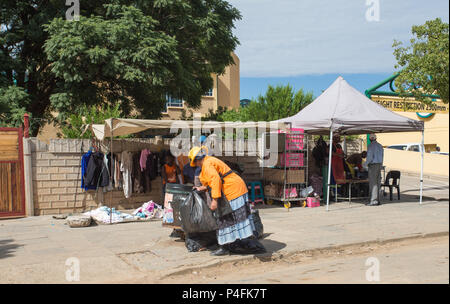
{"x":118,"y":181}
{"x":84,"y":163}
{"x":143,"y":159}
{"x":107,"y":163}
{"x":152,"y":165}
{"x":126,"y":167}
{"x":137,"y":174}
{"x":146,"y":178}
{"x":96,"y":174}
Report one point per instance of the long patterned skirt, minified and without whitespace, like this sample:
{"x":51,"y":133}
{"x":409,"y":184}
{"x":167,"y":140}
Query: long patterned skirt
{"x":238,"y":224}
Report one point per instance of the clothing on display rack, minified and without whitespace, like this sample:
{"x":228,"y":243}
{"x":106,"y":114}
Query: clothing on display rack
{"x":131,"y":172}
{"x":126,"y":167}
{"x":84,"y":162}
{"x":94,"y":171}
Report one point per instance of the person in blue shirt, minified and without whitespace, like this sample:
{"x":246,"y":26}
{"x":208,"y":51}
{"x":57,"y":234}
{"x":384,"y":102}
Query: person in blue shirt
{"x":189,"y":174}
{"x":374,"y":162}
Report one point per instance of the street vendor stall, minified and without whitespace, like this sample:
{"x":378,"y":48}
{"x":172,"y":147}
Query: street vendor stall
{"x":114,"y":127}
{"x":341,"y":109}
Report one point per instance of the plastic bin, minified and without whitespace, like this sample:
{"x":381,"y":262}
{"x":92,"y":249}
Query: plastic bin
{"x":176,"y":194}
{"x":292,"y":160}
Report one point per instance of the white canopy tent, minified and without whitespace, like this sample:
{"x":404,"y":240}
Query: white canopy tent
{"x":123,"y":126}
{"x":343,"y":109}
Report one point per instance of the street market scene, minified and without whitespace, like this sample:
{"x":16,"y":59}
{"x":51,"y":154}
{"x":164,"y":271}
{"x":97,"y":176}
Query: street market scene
{"x":161,"y":142}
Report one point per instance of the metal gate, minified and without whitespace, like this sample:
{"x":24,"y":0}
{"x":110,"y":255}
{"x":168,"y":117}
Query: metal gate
{"x":12,"y":190}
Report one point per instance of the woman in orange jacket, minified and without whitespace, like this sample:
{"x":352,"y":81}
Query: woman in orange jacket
{"x":222,"y":181}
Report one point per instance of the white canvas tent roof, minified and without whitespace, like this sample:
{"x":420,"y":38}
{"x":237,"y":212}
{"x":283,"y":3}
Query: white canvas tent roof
{"x":122,"y":126}
{"x":344,"y":109}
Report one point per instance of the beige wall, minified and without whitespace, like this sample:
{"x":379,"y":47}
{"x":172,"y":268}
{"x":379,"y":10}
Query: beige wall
{"x":226,"y":93}
{"x":229,"y":86}
{"x":407,"y":161}
{"x":436,"y":132}
{"x":56,"y":176}
{"x":56,"y":179}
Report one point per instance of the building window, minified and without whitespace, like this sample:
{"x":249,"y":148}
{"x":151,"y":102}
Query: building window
{"x":174,"y":102}
{"x":209,"y":93}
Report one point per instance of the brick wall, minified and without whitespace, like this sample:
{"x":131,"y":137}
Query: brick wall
{"x":57,"y":178}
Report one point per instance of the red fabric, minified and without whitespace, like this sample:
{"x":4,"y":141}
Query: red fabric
{"x":337,"y":164}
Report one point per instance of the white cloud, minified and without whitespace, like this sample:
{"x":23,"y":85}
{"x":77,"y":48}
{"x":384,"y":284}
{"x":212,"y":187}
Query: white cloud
{"x":298,"y":37}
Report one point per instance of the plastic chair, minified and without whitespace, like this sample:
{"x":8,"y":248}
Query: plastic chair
{"x":395,"y":177}
{"x":254,"y":196}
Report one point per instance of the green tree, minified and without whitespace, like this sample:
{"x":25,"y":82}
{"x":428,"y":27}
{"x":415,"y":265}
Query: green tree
{"x":128,"y":52}
{"x":12,"y":106}
{"x":278,"y":102}
{"x":73,"y":127}
{"x":424,"y":63}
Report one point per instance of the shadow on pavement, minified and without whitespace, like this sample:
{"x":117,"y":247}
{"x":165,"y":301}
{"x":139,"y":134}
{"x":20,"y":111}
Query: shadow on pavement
{"x":271,"y":247}
{"x":7,"y":248}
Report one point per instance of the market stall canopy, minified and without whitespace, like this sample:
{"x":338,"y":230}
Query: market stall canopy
{"x":122,"y":127}
{"x":345,"y":110}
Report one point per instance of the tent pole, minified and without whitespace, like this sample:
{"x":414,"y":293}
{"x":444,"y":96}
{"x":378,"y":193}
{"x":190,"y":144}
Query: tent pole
{"x":111,"y":172}
{"x":329,"y":168}
{"x":421,"y":166}
{"x":345,"y":144}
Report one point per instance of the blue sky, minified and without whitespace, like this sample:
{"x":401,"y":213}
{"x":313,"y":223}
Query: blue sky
{"x":308,"y":43}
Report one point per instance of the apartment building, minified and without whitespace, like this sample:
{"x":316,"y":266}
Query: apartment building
{"x":225,"y":93}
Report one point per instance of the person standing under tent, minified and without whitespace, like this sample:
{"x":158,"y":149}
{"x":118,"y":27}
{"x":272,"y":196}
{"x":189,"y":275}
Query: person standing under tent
{"x":374,"y":161}
{"x":337,"y":162}
{"x":217,"y":176}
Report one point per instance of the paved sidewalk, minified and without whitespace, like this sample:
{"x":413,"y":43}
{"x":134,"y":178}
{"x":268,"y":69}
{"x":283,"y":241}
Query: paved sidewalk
{"x":34,"y":250}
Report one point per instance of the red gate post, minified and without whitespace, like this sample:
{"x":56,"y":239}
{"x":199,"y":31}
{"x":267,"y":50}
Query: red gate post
{"x":26,"y":122}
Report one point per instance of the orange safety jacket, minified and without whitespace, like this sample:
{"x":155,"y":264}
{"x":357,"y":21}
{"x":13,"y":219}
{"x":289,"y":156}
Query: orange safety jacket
{"x":233,"y":186}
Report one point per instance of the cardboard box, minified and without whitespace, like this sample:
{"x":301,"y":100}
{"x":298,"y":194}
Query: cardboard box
{"x":277,"y":176}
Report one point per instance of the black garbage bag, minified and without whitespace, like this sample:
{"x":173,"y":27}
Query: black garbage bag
{"x":247,"y":246}
{"x":196,"y":215}
{"x":177,"y":233}
{"x":196,"y":241}
{"x":258,"y":233}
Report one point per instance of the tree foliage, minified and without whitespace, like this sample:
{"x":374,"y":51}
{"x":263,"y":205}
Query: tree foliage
{"x":278,"y":102}
{"x":73,"y":127}
{"x":424,"y":63}
{"x":12,"y":106}
{"x":128,"y":52}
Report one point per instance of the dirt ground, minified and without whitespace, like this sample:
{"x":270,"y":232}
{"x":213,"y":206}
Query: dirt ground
{"x":416,"y":260}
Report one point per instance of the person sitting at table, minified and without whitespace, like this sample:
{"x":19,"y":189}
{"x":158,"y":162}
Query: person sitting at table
{"x":355,"y":160}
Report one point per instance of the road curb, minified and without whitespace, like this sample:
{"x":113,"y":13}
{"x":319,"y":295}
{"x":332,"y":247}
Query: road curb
{"x":266,"y":257}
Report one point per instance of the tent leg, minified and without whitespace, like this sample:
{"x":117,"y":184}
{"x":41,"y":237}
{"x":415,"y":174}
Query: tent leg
{"x":329,"y":168}
{"x":421,"y":167}
{"x":111,"y":170}
{"x":345,"y":145}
